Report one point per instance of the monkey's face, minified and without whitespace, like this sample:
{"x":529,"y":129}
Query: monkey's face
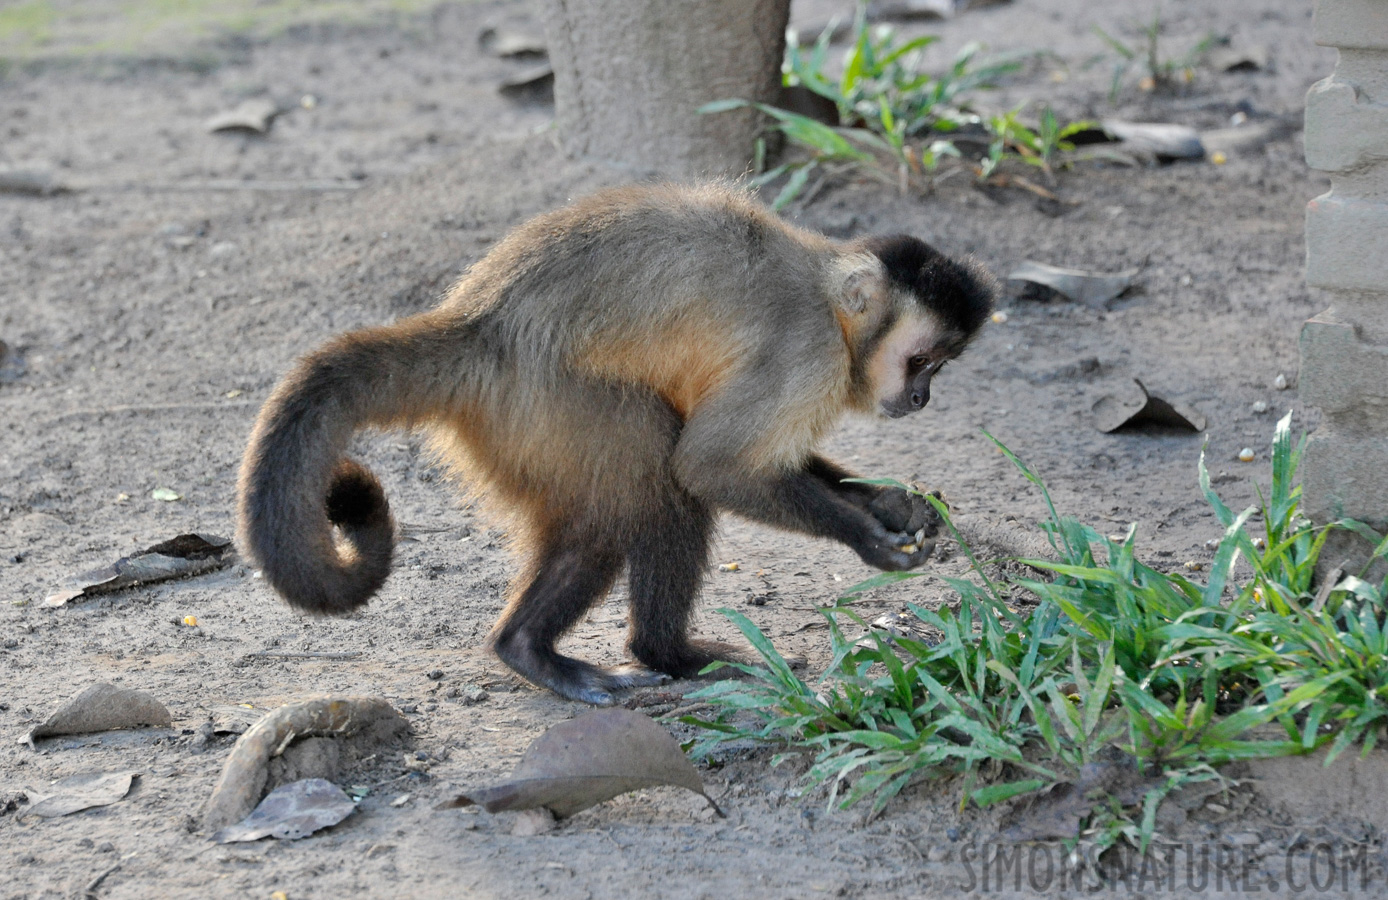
{"x":905,"y":361}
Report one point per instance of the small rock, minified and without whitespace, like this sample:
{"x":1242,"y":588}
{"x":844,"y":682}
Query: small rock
{"x":1246,"y":454}
{"x":1243,"y":838}
{"x":530,"y":822}
{"x":1260,"y":406}
{"x":223,"y":249}
{"x":1280,"y":382}
{"x":435,"y":675}
{"x":474,"y":694}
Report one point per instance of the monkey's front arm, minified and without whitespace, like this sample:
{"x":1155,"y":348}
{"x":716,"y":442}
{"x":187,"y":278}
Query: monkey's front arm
{"x":814,"y":500}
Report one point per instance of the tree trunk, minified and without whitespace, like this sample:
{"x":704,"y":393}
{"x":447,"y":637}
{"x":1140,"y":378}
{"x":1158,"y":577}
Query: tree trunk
{"x":629,"y":76}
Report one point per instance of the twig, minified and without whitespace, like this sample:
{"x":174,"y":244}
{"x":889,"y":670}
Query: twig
{"x":89,"y":892}
{"x":306,"y":654}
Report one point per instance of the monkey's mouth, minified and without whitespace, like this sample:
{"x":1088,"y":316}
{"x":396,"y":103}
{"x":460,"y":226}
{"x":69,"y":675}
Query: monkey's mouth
{"x":895,"y":410}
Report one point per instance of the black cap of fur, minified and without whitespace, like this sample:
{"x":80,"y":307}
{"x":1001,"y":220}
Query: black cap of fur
{"x":959,"y":292}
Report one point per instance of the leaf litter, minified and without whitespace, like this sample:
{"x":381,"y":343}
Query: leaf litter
{"x":78,"y":792}
{"x":102,"y":707}
{"x":586,"y":760}
{"x":292,"y":811}
{"x":179,"y":557}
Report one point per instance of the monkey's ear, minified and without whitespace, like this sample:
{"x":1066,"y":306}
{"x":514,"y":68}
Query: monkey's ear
{"x":862,"y":285}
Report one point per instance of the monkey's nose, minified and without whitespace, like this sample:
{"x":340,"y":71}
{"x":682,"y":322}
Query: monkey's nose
{"x":919,"y":399}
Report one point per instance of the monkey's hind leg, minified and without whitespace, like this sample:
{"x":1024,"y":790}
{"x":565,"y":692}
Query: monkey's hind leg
{"x":571,"y":575}
{"x":667,"y":564}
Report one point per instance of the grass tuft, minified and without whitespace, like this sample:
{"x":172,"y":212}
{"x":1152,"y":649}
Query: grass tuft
{"x":1115,"y":657}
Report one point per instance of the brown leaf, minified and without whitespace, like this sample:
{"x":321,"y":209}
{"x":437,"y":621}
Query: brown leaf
{"x":292,"y":811}
{"x":102,"y":707}
{"x":253,"y":116}
{"x":244,"y":777}
{"x":79,"y":792}
{"x":1132,"y":406}
{"x":589,"y":759}
{"x":179,"y":557}
{"x":1093,"y":289}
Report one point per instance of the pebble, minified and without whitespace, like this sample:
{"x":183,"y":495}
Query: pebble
{"x":1246,"y":454}
{"x":1260,"y":406}
{"x":1280,"y":382}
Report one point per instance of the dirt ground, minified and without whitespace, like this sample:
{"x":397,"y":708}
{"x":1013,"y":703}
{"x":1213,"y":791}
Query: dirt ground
{"x":150,"y":309}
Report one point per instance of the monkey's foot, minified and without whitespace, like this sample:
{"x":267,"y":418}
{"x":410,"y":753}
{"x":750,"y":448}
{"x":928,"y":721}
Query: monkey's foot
{"x":572,"y":678}
{"x":688,"y":659}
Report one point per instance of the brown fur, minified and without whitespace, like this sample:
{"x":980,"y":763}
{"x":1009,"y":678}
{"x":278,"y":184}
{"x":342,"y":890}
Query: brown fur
{"x":614,"y":373}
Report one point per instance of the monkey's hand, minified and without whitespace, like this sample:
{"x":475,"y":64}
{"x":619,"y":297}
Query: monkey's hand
{"x":894,"y":551}
{"x":909,"y":513}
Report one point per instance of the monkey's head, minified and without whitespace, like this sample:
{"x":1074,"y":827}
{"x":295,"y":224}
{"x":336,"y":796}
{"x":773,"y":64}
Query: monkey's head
{"x":911,"y":309}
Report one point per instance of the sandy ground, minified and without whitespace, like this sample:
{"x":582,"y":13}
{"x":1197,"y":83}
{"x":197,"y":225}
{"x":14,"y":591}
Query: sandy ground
{"x":150,"y":310}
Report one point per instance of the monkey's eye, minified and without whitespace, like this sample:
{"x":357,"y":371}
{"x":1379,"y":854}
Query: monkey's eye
{"x":919,"y":362}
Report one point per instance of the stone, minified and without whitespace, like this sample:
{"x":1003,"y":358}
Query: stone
{"x":1339,"y":371}
{"x":1359,"y":24}
{"x":1344,"y":130}
{"x":1345,"y":237}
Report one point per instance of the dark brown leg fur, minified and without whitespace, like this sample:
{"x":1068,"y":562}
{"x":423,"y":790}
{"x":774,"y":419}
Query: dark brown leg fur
{"x":668,"y":560}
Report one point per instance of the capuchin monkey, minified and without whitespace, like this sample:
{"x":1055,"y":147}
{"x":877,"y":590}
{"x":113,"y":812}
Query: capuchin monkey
{"x":614,"y":374}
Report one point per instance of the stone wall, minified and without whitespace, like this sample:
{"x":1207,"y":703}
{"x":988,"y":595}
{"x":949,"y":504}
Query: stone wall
{"x":1344,"y":350}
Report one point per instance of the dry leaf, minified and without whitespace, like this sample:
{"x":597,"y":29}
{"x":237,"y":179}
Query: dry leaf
{"x":1131,"y":406}
{"x":178,"y":557}
{"x":253,"y":116}
{"x":589,"y":759}
{"x":1156,"y":139}
{"x":79,"y":792}
{"x":292,"y":811}
{"x":1093,"y":289}
{"x":102,"y":707}
{"x":511,"y":44}
{"x":245,"y":774}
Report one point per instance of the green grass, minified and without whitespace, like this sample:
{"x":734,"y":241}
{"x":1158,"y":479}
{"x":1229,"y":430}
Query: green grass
{"x":33,"y":31}
{"x":1177,"y":675}
{"x":895,"y":120}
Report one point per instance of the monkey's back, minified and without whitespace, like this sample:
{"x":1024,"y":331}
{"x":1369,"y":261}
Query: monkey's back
{"x":628,"y":308}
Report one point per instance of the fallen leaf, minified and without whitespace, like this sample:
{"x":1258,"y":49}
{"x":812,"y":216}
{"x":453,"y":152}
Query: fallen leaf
{"x":1245,"y":59}
{"x":586,"y":760}
{"x":246,"y":772}
{"x":102,"y":707}
{"x":36,"y":181}
{"x":252,"y":116}
{"x":511,"y":44}
{"x":291,"y":811}
{"x":891,"y":626}
{"x":1092,"y":289}
{"x":178,"y":557}
{"x":1248,"y":137}
{"x":1132,"y":406}
{"x":78,"y":792}
{"x":534,"y":84}
{"x":1161,"y":140}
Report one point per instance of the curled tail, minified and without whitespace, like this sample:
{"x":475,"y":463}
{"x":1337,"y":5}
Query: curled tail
{"x":296,"y":486}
